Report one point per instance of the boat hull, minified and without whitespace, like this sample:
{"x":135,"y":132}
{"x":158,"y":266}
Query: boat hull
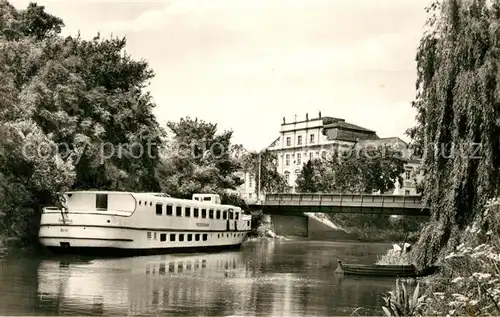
{"x":402,"y":271}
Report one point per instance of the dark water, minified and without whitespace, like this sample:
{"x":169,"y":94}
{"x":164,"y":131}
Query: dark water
{"x":292,"y":278}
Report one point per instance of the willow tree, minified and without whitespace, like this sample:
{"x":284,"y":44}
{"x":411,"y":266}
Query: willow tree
{"x":458,"y":122}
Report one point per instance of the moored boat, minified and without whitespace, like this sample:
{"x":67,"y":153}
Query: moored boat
{"x":141,"y":222}
{"x":379,"y":270}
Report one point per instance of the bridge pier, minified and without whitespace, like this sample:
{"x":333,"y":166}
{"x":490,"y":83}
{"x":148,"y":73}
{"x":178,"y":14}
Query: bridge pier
{"x":297,"y":225}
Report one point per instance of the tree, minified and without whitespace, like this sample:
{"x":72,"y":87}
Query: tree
{"x":73,"y":114}
{"x":271,"y":180}
{"x":368,"y":169}
{"x":198,"y":160}
{"x":360,"y":170}
{"x":316,"y":176}
{"x":457,"y":100}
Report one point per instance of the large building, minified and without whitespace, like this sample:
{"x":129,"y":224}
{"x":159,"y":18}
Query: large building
{"x":308,"y":138}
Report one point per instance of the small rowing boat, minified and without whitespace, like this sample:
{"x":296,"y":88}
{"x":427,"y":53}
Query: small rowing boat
{"x":379,"y":270}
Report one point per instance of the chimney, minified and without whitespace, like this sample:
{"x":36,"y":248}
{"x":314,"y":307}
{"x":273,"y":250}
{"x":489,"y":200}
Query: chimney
{"x":320,"y":114}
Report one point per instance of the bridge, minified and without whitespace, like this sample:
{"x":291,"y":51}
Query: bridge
{"x":295,"y":204}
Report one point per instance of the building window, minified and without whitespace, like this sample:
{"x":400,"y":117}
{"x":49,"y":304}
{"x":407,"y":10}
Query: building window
{"x":299,"y":158}
{"x":169,"y":210}
{"x":288,"y":141}
{"x":287,"y":176}
{"x":159,"y":209}
{"x":287,"y":159}
{"x":407,"y":192}
{"x":311,"y":138}
{"x":250,"y":180}
{"x":178,"y":211}
{"x":408,"y":174}
{"x":310,"y":156}
{"x":299,"y":140}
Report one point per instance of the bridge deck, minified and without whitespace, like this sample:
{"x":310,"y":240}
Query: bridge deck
{"x":340,"y":203}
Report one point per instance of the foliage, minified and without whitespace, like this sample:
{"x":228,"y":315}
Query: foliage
{"x":361,"y":170}
{"x":70,"y":111}
{"x":457,"y":103}
{"x":197,"y":160}
{"x":316,"y":176}
{"x":470,"y":282}
{"x":234,"y":200}
{"x":401,"y":303}
{"x":272,"y":181}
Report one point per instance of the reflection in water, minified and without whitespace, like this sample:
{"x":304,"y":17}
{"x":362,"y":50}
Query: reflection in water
{"x":264,"y":279}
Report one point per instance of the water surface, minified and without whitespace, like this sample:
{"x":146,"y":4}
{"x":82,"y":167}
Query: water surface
{"x":290,"y":278}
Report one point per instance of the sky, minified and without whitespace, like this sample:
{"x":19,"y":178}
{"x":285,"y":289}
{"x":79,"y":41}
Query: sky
{"x":246,"y":64}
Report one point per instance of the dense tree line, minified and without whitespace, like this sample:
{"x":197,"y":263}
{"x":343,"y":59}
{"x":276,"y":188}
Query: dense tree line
{"x":458,"y":97}
{"x":74,"y":114}
{"x":357,"y":170}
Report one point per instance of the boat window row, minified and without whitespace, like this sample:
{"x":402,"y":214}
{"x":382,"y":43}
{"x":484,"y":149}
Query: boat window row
{"x":179,"y":267}
{"x":205,"y":213}
{"x":181,"y":237}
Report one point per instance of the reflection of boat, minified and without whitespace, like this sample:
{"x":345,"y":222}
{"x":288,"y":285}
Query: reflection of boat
{"x":131,"y":285}
{"x":141,"y":222}
{"x":377,"y":270}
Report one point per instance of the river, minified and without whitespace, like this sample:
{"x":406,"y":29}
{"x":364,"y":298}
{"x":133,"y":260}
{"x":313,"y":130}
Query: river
{"x":275,"y":278}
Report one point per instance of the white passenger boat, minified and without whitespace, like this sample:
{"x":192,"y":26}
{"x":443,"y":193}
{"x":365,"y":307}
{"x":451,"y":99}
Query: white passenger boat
{"x":141,"y":222}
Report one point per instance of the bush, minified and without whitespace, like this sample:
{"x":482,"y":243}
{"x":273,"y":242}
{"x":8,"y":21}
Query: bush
{"x":469,"y":282}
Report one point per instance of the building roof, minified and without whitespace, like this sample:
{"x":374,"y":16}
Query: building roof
{"x":390,"y":140}
{"x":346,"y":125}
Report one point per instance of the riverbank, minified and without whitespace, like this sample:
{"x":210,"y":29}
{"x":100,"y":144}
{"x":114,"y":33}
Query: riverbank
{"x":468,"y":280}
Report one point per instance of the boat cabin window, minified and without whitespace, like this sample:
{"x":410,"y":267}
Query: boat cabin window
{"x":196,"y":213}
{"x":205,"y":237}
{"x":178,"y":211}
{"x":163,"y":237}
{"x":203,"y":213}
{"x":231,"y":215}
{"x":248,"y":223}
{"x":190,"y":237}
{"x":217,"y":214}
{"x":224,"y":214}
{"x":101,"y":201}
{"x":197,"y":237}
{"x":187,"y":211}
{"x":207,"y":198}
{"x":236,"y":215}
{"x":181,"y":237}
{"x":169,"y":210}
{"x":172,"y":237}
{"x":159,"y":209}
{"x":211,"y":214}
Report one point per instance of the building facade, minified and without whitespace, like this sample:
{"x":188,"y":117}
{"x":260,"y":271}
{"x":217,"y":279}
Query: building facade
{"x":306,"y":139}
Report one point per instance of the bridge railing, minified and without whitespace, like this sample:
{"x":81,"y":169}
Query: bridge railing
{"x":345,"y":200}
